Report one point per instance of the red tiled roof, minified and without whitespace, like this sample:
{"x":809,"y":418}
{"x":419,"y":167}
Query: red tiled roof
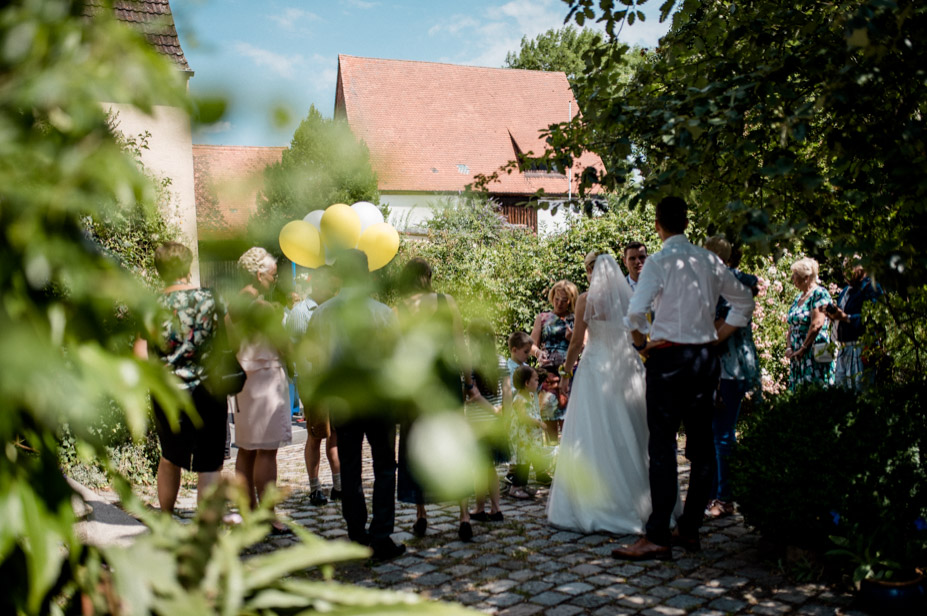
{"x":153,"y":18}
{"x":226,"y":180}
{"x":432,"y":127}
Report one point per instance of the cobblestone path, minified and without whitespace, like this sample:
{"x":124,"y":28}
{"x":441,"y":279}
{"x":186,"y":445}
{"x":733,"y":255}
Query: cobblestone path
{"x":522,"y":566}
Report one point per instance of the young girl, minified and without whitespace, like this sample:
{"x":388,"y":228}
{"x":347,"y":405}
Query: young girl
{"x":552,"y":402}
{"x":491,"y":377}
{"x":527,"y":431}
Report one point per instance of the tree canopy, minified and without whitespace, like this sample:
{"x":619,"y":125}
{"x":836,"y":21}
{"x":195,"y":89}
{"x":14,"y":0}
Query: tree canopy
{"x":555,"y":50}
{"x":324,"y":164}
{"x":778,"y":122}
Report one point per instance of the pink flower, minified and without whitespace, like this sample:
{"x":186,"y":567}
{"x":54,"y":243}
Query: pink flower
{"x":762,"y":284}
{"x":777,"y":286}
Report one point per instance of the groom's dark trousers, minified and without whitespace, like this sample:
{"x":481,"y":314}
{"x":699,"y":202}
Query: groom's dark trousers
{"x":681,"y":380}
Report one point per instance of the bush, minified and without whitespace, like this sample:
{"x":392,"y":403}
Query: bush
{"x":136,"y":460}
{"x":502,"y":273}
{"x":811,"y":458}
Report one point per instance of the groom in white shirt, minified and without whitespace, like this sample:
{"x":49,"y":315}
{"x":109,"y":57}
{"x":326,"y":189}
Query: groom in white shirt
{"x":681,"y":284}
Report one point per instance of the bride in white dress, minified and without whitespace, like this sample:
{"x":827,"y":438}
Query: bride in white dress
{"x":602,"y":482}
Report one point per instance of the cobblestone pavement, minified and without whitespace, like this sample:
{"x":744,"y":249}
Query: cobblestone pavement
{"x":522,"y":566}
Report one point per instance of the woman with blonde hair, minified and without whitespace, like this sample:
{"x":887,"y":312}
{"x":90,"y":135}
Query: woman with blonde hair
{"x":808,"y":326}
{"x":262,"y":417}
{"x":551,"y":335}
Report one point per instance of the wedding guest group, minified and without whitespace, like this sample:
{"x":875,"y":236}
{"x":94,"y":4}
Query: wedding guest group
{"x":592,"y":400}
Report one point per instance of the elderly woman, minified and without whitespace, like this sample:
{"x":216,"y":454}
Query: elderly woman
{"x":187,"y":336}
{"x":808,"y":325}
{"x":551,"y":335}
{"x":262,"y":418}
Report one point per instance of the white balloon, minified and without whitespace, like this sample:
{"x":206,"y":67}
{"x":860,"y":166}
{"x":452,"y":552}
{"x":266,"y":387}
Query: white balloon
{"x":314,"y":218}
{"x":369,"y":214}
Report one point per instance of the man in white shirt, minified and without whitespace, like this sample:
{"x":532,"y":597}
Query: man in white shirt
{"x":681,"y":283}
{"x":635,"y":254}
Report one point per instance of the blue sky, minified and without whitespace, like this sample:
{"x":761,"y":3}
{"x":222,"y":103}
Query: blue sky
{"x":283,"y":55}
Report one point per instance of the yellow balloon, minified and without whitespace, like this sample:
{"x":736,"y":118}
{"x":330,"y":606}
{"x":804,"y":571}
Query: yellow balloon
{"x":302,"y":244}
{"x":380,"y":242}
{"x":340,"y":227}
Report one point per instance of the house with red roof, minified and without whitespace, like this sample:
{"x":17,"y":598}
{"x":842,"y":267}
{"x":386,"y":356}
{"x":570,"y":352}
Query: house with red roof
{"x":432,"y":128}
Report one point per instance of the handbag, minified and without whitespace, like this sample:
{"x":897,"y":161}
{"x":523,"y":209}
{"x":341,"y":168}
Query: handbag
{"x":825,"y":352}
{"x":319,"y":422}
{"x":224,"y":373}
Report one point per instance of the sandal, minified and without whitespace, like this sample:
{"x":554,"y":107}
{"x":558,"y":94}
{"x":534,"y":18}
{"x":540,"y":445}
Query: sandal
{"x":719,"y":509}
{"x":519,"y":493}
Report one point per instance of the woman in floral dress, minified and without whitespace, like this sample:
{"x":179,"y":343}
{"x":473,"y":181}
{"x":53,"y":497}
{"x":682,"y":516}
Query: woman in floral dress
{"x":184,"y":346}
{"x":551,"y":335}
{"x":808,"y":325}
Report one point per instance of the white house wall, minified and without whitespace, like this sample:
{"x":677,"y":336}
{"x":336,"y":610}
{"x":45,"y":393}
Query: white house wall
{"x":408,"y":212}
{"x":169,"y":155}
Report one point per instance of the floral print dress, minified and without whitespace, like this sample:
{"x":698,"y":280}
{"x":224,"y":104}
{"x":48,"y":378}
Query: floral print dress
{"x":805,"y":369}
{"x":188,"y":333}
{"x":527,"y":437}
{"x":554,"y":343}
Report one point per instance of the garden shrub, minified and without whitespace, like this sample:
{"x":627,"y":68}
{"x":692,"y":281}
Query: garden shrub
{"x":502,"y":273}
{"x":811,"y":458}
{"x":136,"y":460}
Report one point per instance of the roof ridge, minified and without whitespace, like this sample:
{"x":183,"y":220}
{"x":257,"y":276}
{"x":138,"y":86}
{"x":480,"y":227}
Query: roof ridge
{"x":241,"y":147}
{"x":489,"y":68}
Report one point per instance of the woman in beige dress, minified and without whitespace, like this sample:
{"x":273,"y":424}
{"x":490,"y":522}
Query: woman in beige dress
{"x":262,"y":417}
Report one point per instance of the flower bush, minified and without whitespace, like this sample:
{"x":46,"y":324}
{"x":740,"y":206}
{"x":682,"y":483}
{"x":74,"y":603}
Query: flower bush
{"x":770,"y":331}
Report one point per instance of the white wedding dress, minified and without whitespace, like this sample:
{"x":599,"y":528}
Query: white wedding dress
{"x":601,"y":482}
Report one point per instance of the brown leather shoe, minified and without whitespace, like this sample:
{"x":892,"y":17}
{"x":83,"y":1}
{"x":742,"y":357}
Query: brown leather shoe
{"x":688,"y":543}
{"x":643,"y":549}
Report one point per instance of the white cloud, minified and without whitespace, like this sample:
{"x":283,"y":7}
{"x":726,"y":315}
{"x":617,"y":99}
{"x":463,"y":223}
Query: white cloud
{"x":291,"y":18}
{"x":487,"y":37}
{"x":322,"y":74}
{"x":284,"y":65}
{"x":361,"y":4}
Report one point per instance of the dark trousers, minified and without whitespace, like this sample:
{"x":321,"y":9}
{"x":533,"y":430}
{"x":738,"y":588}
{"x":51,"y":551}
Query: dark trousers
{"x":724,"y":425}
{"x":382,"y":439}
{"x":681,"y":381}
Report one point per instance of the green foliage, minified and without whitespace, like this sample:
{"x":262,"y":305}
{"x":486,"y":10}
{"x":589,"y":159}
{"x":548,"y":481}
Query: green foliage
{"x":195,"y":569}
{"x":324,"y":164}
{"x":896,"y":335}
{"x":62,"y":340}
{"x":779,"y":122}
{"x":65,"y":352}
{"x":818,"y":463}
{"x":136,"y":459}
{"x":502,"y":274}
{"x":555,"y":50}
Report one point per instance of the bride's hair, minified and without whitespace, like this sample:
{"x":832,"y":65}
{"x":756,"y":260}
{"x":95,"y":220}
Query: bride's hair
{"x":591,"y":256}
